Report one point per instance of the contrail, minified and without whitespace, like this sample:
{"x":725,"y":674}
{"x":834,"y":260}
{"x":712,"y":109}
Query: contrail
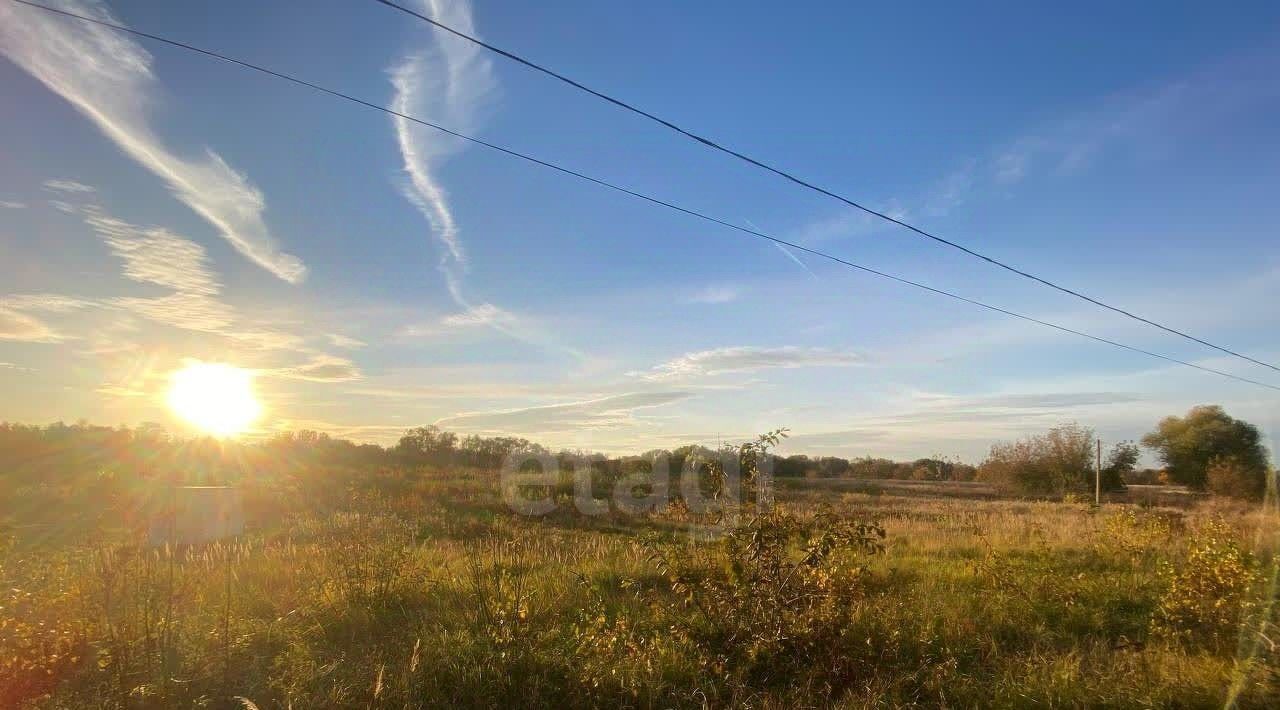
{"x":785,"y":251}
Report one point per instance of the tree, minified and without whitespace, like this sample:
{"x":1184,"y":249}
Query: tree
{"x":1056,"y":462}
{"x":427,"y":443}
{"x":1121,"y":463}
{"x":795,"y":466}
{"x":1187,"y":445}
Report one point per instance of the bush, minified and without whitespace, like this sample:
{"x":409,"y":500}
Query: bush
{"x":1208,"y":595}
{"x":1055,"y":463}
{"x":1139,"y":532}
{"x":1226,"y":476}
{"x":1121,"y":463}
{"x":784,"y":600}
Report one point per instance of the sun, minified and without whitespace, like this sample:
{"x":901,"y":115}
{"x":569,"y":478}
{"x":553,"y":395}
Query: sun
{"x":215,"y":397}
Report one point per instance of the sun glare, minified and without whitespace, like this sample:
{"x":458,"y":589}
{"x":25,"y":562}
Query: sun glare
{"x":214,"y":397}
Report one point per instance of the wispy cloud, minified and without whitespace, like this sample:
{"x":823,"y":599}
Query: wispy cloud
{"x":322,"y":368}
{"x":15,"y":367}
{"x":1205,"y":303}
{"x":1025,"y":400}
{"x":108,"y":78}
{"x":68,"y":186}
{"x":156,"y":256}
{"x":937,"y":199}
{"x":947,"y":194}
{"x":483,"y":314}
{"x":381,"y":433}
{"x":964,"y":424}
{"x":847,"y":223}
{"x":48,"y":302}
{"x":120,"y":391}
{"x":451,"y":81}
{"x":603,"y":413}
{"x":750,"y":359}
{"x":12,"y":205}
{"x":716,"y":294}
{"x":1146,"y":121}
{"x":343,"y":341}
{"x":266,"y":338}
{"x":1011,"y":165}
{"x":24,"y":327}
{"x":159,"y":257}
{"x":189,"y":311}
{"x":423,"y":190}
{"x":18,"y":323}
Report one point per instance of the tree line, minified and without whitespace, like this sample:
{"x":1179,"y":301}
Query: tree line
{"x":1206,"y":449}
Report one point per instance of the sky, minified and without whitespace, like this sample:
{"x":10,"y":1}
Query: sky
{"x":159,"y":207}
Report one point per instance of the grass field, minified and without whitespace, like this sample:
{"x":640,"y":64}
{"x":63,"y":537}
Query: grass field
{"x":441,"y":596}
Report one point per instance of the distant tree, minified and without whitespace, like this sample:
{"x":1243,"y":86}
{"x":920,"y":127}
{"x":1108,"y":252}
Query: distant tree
{"x":1188,"y":445}
{"x":832,"y":466}
{"x":929,"y":470}
{"x":1056,"y":462}
{"x":794,"y":466}
{"x":1121,"y":463}
{"x":963,"y":472}
{"x":1144,"y":476}
{"x":940,"y":468}
{"x":683,"y":455}
{"x":868,"y":467}
{"x":427,"y":444}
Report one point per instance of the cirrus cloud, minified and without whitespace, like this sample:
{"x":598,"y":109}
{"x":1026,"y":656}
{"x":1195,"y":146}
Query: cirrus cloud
{"x":750,"y":359}
{"x":108,"y":78}
{"x":26,"y":328}
{"x":451,"y":81}
{"x":602,"y":413}
{"x":723,"y":293}
{"x":70,"y":186}
{"x":322,"y":368}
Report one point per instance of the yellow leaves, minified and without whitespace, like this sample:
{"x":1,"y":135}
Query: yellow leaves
{"x":1138,"y":532}
{"x":1209,"y":594}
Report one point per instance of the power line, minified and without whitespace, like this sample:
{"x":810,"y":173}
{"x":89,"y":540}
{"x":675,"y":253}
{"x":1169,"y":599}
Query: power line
{"x":633,"y":193}
{"x":809,"y":185}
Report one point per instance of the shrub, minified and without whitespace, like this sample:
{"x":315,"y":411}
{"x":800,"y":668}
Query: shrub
{"x":1057,"y":462}
{"x":1121,"y":463}
{"x":39,"y":643}
{"x":1207,"y":596}
{"x":1138,"y":532}
{"x":784,"y":599}
{"x":1227,"y":476}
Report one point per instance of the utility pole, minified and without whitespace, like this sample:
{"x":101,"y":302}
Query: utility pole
{"x":1097,"y":478}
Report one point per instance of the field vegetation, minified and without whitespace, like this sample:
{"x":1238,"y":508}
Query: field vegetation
{"x":367,"y":580}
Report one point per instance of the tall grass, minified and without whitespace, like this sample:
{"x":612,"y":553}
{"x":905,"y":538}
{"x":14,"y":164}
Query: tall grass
{"x":438,"y":596}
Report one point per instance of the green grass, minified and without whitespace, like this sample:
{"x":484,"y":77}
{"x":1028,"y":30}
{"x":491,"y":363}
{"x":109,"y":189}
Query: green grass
{"x":441,"y":597}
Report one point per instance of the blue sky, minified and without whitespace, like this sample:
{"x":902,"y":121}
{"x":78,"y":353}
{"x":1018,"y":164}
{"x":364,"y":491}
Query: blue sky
{"x":159,"y":207}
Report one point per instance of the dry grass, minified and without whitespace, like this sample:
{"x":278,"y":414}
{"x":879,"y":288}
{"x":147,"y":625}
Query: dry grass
{"x":441,"y":596}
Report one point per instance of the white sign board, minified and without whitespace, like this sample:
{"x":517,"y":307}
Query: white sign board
{"x":198,"y":514}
